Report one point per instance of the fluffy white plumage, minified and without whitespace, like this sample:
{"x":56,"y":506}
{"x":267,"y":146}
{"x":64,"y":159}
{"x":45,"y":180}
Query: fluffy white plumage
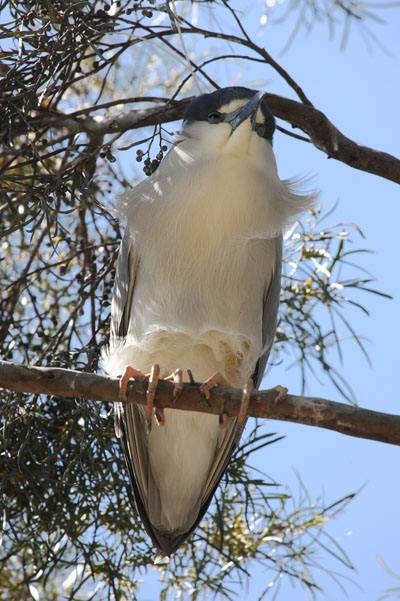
{"x":204,"y":243}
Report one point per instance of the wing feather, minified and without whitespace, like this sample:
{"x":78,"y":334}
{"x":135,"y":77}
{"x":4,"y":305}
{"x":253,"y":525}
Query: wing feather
{"x":124,"y":285}
{"x":270,"y":312}
{"x":129,"y":420}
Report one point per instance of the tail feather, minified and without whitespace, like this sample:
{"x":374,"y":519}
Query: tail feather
{"x":161,"y":557}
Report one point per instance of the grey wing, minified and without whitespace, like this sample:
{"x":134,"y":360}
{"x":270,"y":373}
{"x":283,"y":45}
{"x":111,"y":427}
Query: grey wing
{"x":124,"y":284}
{"x":129,"y":426}
{"x":270,"y":311}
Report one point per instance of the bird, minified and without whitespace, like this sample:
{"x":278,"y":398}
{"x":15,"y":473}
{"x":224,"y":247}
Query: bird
{"x":197,"y":286}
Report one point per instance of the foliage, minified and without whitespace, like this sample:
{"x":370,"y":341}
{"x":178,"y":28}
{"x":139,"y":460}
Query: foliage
{"x":68,"y":526}
{"x":70,"y":530}
{"x":394,"y":592}
{"x":342,"y":15}
{"x":316,"y":288}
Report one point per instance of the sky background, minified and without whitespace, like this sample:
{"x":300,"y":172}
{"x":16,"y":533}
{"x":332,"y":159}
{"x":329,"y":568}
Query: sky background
{"x":358,"y":89}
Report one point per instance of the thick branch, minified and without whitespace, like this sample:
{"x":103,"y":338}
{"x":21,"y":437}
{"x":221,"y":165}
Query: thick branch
{"x":346,"y":419}
{"x":323,"y":134}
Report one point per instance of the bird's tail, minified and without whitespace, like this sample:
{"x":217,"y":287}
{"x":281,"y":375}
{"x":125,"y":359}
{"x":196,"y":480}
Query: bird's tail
{"x":161,"y":557}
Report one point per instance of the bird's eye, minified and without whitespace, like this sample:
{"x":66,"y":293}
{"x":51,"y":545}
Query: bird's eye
{"x":260,"y":129}
{"x":215,"y":117}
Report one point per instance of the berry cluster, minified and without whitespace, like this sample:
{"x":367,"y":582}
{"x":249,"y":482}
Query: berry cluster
{"x":106,"y":153}
{"x":146,"y":12}
{"x":150,"y":165}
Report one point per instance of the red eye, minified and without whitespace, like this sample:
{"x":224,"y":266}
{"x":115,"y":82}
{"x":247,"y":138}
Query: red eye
{"x":260,"y":129}
{"x":215,"y":117}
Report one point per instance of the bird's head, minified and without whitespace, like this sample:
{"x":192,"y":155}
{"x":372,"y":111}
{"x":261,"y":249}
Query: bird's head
{"x":232,"y":121}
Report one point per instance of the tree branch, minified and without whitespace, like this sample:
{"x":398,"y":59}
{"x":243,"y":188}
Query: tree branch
{"x":323,"y":134}
{"x":322,"y":413}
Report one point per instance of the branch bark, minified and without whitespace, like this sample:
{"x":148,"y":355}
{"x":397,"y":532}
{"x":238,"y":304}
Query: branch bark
{"x":353,"y":421}
{"x":323,"y":134}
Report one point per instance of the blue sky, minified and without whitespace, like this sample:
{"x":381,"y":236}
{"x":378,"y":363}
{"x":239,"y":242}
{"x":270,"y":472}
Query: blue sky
{"x":358,"y":89}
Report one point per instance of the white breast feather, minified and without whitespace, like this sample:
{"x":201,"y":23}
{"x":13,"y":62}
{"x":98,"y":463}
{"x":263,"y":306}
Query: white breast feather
{"x":205,"y":260}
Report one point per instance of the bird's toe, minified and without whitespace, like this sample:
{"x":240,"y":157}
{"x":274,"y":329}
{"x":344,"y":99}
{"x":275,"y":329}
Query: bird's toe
{"x":177,"y":378}
{"x":244,"y":405}
{"x":151,"y":393}
{"x":129,"y":372}
{"x":215,"y":380}
{"x":282,"y":392}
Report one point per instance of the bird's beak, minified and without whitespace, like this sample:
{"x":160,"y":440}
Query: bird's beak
{"x":240,"y":115}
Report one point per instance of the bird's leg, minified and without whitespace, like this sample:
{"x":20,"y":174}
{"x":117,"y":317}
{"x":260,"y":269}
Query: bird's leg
{"x":176,"y":377}
{"x":244,"y":405}
{"x":224,"y":419}
{"x":216,"y":380}
{"x":153,"y":376}
{"x":129,"y":372}
{"x":150,"y":394}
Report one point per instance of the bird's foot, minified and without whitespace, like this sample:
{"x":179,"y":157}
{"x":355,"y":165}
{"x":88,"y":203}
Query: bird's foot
{"x":216,"y":380}
{"x":129,"y":372}
{"x":282,"y":392}
{"x":224,"y":419}
{"x":244,"y":405}
{"x":150,"y":394}
{"x":177,"y":379}
{"x":153,"y":376}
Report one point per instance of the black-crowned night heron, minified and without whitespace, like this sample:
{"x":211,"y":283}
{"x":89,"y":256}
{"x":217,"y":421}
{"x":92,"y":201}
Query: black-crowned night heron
{"x":197,"y":286}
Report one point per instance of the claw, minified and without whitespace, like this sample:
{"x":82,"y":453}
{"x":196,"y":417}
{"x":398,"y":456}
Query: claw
{"x":282,"y":392}
{"x":177,"y":378}
{"x":244,"y":405}
{"x":215,"y":380}
{"x":191,"y":378}
{"x":160,"y":416}
{"x":154,"y":376}
{"x":151,"y":393}
{"x":223,"y":420}
{"x":129,"y":372}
